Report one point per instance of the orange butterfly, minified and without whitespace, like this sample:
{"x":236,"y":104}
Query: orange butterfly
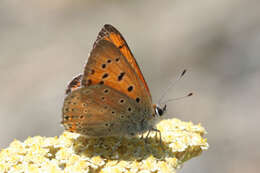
{"x":111,"y":98}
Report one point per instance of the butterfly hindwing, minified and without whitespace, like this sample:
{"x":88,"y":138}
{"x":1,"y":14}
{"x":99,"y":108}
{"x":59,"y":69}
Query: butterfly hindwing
{"x":95,"y":111}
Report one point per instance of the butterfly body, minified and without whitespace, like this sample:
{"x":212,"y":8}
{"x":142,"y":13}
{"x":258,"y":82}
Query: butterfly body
{"x":111,"y":98}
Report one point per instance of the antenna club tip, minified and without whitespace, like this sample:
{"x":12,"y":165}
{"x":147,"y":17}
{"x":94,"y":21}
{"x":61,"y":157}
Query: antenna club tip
{"x":190,"y":94}
{"x":184,"y":71}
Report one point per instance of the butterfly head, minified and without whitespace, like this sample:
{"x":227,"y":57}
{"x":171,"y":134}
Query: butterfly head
{"x":159,"y":111}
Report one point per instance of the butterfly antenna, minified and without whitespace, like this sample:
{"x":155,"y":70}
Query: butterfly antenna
{"x":178,"y":98}
{"x":172,"y":85}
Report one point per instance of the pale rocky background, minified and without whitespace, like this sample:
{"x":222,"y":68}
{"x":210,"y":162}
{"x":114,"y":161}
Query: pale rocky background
{"x":44,"y":44}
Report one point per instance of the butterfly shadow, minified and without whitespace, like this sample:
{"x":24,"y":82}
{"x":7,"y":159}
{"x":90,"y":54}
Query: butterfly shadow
{"x":122,"y":148}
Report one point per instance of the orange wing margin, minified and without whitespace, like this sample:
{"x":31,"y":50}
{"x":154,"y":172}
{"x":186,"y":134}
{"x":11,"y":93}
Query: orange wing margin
{"x":109,"y":33}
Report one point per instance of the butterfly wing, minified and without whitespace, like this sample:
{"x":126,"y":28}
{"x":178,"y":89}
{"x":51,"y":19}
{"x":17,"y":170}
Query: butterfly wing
{"x":108,"y":66}
{"x":74,"y":84}
{"x":111,"y":34}
{"x":111,"y":66}
{"x":99,"y":110}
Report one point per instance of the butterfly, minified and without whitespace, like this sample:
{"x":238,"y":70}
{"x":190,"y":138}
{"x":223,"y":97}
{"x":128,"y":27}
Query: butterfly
{"x":111,"y":97}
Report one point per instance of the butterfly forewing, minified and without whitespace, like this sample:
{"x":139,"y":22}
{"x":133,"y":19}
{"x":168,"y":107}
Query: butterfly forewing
{"x":108,"y":32}
{"x":107,"y":66}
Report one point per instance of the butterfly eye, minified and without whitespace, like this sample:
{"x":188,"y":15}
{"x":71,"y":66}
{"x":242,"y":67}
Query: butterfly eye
{"x":160,"y":111}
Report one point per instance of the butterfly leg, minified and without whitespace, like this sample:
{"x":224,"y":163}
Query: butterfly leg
{"x":146,"y":138}
{"x":142,"y":136}
{"x":157,"y":131}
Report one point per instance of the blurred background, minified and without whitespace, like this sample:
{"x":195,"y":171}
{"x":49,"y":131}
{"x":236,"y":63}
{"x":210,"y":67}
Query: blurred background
{"x":44,"y":44}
